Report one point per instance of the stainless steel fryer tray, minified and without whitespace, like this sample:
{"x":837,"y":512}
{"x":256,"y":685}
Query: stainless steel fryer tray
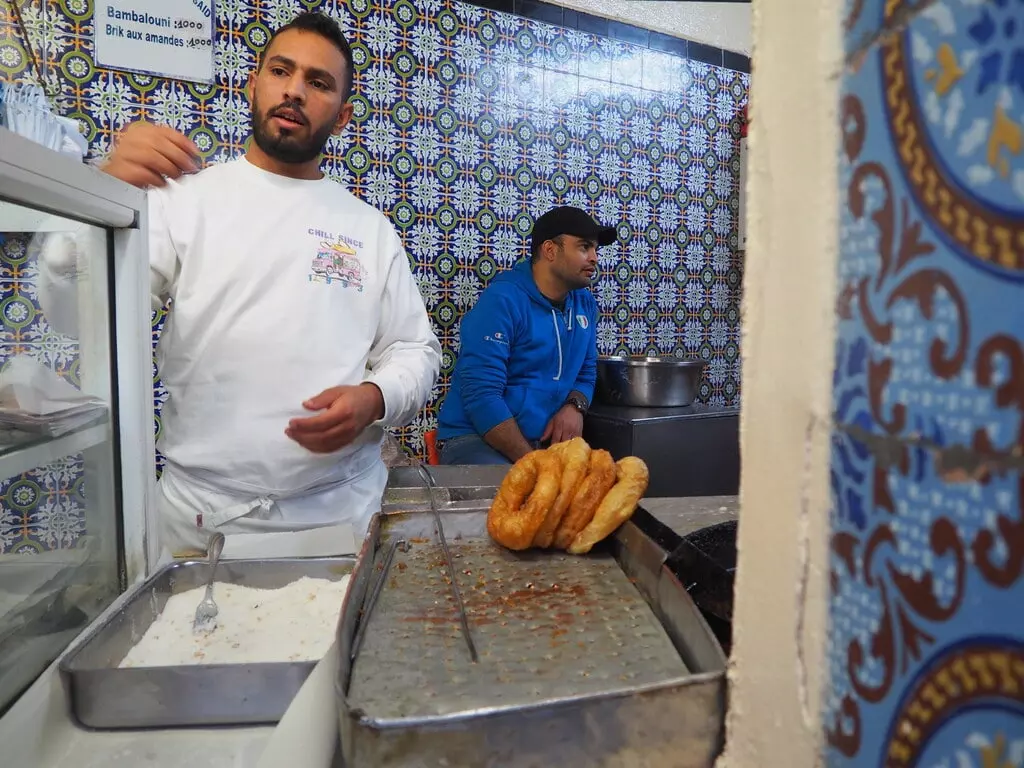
{"x":598,"y":661}
{"x":104,"y":696}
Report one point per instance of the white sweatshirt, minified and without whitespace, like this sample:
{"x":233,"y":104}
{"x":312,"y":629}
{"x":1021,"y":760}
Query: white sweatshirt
{"x":281,"y":288}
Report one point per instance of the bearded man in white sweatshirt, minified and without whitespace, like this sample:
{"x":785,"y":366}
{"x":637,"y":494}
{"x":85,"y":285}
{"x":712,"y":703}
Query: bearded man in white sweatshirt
{"x":296,"y":331}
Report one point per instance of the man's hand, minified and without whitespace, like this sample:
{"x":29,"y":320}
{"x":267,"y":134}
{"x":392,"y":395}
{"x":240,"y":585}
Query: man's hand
{"x":146,"y":155}
{"x":346,"y":412}
{"x":566,"y":424}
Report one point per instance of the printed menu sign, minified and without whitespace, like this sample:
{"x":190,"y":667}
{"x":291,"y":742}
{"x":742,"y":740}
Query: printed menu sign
{"x":168,"y":38}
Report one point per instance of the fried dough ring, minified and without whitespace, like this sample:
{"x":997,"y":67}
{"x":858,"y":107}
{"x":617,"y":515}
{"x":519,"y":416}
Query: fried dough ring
{"x":599,"y":480}
{"x":524,"y":498}
{"x":616,"y":507}
{"x":575,"y":455}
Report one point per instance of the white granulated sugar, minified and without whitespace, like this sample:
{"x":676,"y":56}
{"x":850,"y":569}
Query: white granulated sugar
{"x":254,"y":626}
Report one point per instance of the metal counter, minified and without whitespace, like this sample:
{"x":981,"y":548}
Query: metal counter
{"x":601,"y":660}
{"x":682,"y":515}
{"x":691,"y":451}
{"x":666,"y":521}
{"x":685,"y":516}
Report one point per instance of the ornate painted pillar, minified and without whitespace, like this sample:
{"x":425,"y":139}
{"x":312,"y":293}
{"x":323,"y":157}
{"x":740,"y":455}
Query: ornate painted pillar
{"x":880,"y":604}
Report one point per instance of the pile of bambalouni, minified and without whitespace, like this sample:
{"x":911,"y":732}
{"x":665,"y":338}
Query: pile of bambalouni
{"x":566,"y":497}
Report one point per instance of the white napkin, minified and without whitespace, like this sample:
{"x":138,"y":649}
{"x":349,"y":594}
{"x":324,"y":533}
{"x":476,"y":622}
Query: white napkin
{"x":28,"y":114}
{"x":28,"y":386}
{"x":71,"y":141}
{"x":307,"y":736}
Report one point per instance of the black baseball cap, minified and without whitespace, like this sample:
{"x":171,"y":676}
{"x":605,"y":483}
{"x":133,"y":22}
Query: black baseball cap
{"x":566,"y":220}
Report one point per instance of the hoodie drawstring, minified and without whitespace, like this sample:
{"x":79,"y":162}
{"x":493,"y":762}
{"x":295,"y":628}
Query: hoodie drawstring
{"x":558,"y":339}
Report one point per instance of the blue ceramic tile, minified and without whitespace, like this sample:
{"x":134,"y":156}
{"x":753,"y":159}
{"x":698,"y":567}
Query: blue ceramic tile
{"x":43,"y":509}
{"x":737,"y":61}
{"x":595,"y":62}
{"x":707,"y":54}
{"x":560,"y":90}
{"x":863,"y":22}
{"x":562,"y":53}
{"x":628,"y":33}
{"x":503,"y":6}
{"x":628,"y":65}
{"x":677,"y":46}
{"x":539,"y":11}
{"x":594,"y":25}
{"x":926,"y":476}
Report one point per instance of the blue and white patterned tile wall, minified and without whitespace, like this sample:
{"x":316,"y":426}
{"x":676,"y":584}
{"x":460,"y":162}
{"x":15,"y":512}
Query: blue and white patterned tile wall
{"x":45,"y":508}
{"x":469,"y":123}
{"x":926,"y":655}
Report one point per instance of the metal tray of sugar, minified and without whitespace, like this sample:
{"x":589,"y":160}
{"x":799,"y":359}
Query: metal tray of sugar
{"x":601,"y":660}
{"x":105,"y":696}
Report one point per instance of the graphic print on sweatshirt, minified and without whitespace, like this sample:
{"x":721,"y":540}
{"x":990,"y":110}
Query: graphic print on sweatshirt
{"x":336,"y":262}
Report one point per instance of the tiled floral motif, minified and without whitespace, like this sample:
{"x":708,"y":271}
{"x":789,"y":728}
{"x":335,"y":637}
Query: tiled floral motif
{"x":45,"y":508}
{"x":926,"y":641}
{"x":25,"y":329}
{"x":469,"y":123}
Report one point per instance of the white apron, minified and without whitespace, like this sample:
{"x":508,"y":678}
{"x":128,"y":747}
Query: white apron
{"x":320,"y":522}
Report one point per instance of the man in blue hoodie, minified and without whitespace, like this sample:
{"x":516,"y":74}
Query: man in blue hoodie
{"x":528,"y":363}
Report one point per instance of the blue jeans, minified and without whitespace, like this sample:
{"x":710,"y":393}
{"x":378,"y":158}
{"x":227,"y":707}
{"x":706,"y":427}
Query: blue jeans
{"x":470,"y":449}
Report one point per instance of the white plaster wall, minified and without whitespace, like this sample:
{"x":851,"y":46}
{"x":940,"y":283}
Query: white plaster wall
{"x":725,"y":25}
{"x":777,"y":667}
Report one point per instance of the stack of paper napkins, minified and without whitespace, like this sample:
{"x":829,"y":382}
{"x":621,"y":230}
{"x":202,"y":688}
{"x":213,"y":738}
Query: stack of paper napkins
{"x":34,"y":398}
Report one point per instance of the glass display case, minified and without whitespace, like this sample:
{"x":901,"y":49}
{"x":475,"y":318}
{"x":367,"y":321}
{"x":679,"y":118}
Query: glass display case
{"x":76,"y":405}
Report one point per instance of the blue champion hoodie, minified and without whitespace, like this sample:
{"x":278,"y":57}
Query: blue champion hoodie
{"x":520,"y":357}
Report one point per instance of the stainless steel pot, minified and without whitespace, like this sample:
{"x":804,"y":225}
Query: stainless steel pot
{"x":648,"y":382}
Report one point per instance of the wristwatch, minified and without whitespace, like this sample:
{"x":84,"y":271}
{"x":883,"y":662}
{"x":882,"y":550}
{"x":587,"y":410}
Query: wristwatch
{"x":578,"y":403}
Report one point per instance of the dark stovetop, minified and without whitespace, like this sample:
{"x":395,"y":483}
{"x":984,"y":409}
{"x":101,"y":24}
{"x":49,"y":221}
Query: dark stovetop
{"x":632,"y":415}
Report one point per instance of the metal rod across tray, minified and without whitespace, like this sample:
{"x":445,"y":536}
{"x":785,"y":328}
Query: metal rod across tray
{"x":600,"y":660}
{"x":105,"y":696}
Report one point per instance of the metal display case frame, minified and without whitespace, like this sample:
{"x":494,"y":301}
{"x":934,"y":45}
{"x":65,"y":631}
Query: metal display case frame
{"x":114,"y":345}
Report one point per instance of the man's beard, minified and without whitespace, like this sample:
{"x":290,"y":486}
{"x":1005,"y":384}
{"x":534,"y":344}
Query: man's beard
{"x":283,"y":147}
{"x":578,"y":281}
{"x":571,"y":277}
